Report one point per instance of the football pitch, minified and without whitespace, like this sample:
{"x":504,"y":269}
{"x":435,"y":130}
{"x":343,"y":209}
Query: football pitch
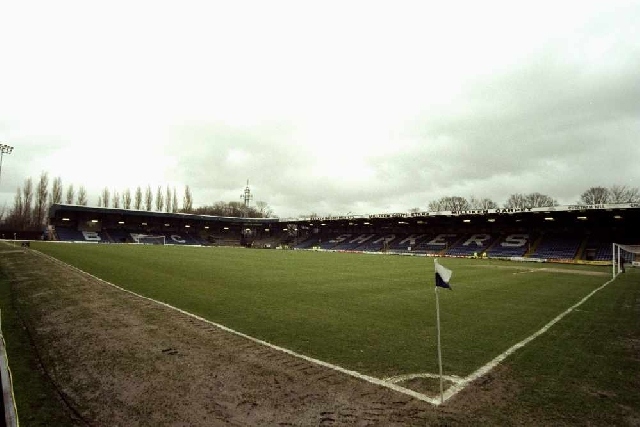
{"x":371,"y":314}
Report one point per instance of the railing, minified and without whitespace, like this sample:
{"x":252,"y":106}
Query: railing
{"x":8,"y":399}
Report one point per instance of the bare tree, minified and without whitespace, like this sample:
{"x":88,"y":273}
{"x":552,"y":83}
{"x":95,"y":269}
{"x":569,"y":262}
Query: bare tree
{"x":56,"y":191}
{"x":595,"y":196}
{"x":516,"y":201}
{"x":16,"y":218}
{"x":261,"y":206}
{"x":40,"y":206}
{"x":537,"y":200}
{"x":168,"y":199}
{"x":82,"y":197}
{"x":105,"y":197}
{"x":71,"y":194}
{"x":187,"y":201}
{"x":226,"y":208}
{"x":457,"y":203}
{"x":435,"y":206}
{"x":218,"y":208}
{"x":99,"y":201}
{"x":27,"y":202}
{"x":263,"y":210}
{"x":159,"y":199}
{"x":115,"y":201}
{"x":633,"y":196}
{"x":174,"y":202}
{"x":484,"y":203}
{"x":126,"y":199}
{"x":235,"y":209}
{"x":450,"y":203}
{"x":148,"y":198}
{"x":137,"y":201}
{"x":623,"y":194}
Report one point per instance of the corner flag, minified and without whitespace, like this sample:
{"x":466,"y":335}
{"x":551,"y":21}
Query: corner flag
{"x":443,"y":275}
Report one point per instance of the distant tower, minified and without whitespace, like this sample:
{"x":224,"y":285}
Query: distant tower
{"x":246,"y":197}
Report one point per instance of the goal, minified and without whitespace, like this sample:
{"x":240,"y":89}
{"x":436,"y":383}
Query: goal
{"x":625,"y":256}
{"x":146,"y":239}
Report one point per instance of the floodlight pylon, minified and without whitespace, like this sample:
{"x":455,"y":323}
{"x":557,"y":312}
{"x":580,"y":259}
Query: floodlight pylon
{"x":6,"y":149}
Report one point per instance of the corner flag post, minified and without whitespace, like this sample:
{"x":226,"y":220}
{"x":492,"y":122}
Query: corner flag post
{"x":443,"y":275}
{"x":439,"y":349}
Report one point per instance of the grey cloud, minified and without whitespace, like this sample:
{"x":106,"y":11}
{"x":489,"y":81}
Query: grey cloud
{"x":543,"y":127}
{"x":558,"y":122}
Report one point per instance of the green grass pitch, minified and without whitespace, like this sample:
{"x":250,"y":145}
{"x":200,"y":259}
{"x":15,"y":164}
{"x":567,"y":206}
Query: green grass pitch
{"x":372,"y":314}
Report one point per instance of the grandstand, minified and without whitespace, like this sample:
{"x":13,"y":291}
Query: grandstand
{"x":573,"y":233}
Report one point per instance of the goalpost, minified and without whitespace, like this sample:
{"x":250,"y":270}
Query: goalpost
{"x":146,"y":239}
{"x":624,"y":256}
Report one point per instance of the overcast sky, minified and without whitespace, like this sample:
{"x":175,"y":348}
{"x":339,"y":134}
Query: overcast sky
{"x":330,"y":107}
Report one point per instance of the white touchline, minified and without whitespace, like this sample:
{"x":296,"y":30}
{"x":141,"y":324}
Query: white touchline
{"x":367,"y":378}
{"x":459,"y":383}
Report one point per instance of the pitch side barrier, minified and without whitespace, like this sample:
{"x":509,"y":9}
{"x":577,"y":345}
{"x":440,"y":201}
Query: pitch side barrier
{"x":24,"y":243}
{"x":512,"y":258}
{"x":553,"y":260}
{"x":349,"y":251}
{"x":27,"y":243}
{"x":8,"y":398}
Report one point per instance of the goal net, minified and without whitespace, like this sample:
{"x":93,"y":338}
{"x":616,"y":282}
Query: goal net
{"x":625,"y":256}
{"x":146,"y":239}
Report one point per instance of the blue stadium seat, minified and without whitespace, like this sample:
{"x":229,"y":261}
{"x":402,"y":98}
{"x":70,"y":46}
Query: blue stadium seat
{"x":471,"y":244}
{"x":510,"y":245}
{"x":558,"y":246}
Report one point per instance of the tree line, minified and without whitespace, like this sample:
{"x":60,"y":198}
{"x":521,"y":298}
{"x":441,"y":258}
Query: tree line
{"x":594,"y":195}
{"x":32,"y":202}
{"x":236,"y":209}
{"x":165,"y":200}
